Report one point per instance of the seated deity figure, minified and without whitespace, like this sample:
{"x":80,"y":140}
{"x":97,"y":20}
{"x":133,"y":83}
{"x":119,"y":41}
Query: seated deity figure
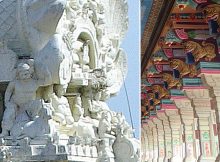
{"x":62,"y":111}
{"x":20,"y":96}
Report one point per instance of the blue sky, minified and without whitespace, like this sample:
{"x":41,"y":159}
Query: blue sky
{"x":131,"y":45}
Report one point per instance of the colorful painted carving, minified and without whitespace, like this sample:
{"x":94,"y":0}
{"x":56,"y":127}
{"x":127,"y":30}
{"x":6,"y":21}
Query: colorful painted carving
{"x":159,"y":56}
{"x":181,"y":33}
{"x":212,"y":12}
{"x":152,"y":97}
{"x":184,"y":3}
{"x":171,"y":37}
{"x":171,"y":81}
{"x":206,"y":50}
{"x":183,"y":68}
{"x":161,"y":91}
{"x":152,"y":70}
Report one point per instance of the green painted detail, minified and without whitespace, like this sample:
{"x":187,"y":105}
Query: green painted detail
{"x":190,"y":3}
{"x":176,"y":92}
{"x":205,"y":136}
{"x":189,"y":138}
{"x":192,"y":82}
{"x":160,"y":55}
{"x":176,"y":142}
{"x":208,"y":65}
{"x":166,"y":101}
{"x":153,"y":70}
{"x":191,"y":34}
{"x":145,"y":82}
{"x":172,"y":37}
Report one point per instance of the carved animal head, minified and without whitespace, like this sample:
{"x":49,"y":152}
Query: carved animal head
{"x":212,"y":12}
{"x":175,"y":63}
{"x":156,"y":88}
{"x":190,"y":46}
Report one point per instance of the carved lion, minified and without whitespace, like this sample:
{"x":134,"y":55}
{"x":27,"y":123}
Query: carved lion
{"x":152,"y":97}
{"x":171,"y":81}
{"x":183,"y":68}
{"x":206,"y":50}
{"x":161,"y":91}
{"x":212,"y":12}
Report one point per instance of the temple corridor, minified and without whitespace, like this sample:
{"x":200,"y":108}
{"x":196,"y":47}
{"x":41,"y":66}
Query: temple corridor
{"x":180,"y":81}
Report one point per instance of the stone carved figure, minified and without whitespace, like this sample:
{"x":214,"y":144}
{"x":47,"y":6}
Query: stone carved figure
{"x":39,"y":127}
{"x":74,"y":43}
{"x":171,"y":81}
{"x":62,"y":112}
{"x":130,"y":151}
{"x":21,"y":94}
{"x":206,"y":50}
{"x":104,"y":132}
{"x":183,"y":68}
{"x":77,"y":110}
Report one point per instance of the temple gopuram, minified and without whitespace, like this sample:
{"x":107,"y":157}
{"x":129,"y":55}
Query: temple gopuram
{"x":180,"y":81}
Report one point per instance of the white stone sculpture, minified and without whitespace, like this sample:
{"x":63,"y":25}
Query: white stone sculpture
{"x":20,"y":96}
{"x":63,"y":61}
{"x":62,"y":112}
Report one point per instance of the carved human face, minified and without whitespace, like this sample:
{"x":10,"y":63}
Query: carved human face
{"x":24,"y":72}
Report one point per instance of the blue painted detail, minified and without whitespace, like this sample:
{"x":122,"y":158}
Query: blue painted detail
{"x":176,"y":73}
{"x":192,"y":82}
{"x":151,"y":102}
{"x":166,"y":101}
{"x":176,"y":92}
{"x":213,"y":27}
{"x":190,"y":58}
{"x":156,"y":95}
{"x":165,"y":85}
{"x":208,"y":65}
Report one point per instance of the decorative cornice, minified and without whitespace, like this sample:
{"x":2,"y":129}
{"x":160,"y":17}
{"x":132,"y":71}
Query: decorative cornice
{"x":153,"y":15}
{"x":157,"y":18}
